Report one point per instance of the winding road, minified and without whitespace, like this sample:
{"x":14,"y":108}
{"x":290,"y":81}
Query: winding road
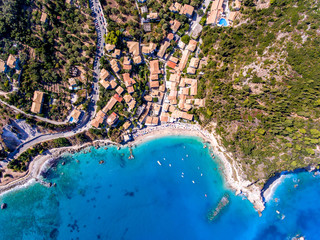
{"x":85,"y":123}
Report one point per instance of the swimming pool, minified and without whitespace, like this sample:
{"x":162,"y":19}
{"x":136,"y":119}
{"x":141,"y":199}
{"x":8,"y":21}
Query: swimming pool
{"x":223,"y":22}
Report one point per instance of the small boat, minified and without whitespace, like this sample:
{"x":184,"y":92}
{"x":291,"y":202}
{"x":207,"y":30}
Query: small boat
{"x":169,"y":164}
{"x":4,"y":206}
{"x":193,"y":181}
{"x":159,"y":163}
{"x":214,"y":213}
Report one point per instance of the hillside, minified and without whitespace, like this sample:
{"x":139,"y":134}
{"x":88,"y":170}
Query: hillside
{"x":262,"y":86}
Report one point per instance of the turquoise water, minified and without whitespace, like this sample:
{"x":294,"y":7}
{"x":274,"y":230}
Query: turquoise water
{"x":223,"y":22}
{"x":141,"y":199}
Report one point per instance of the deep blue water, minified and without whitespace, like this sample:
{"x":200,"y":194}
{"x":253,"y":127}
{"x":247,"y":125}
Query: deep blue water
{"x":140,"y":199}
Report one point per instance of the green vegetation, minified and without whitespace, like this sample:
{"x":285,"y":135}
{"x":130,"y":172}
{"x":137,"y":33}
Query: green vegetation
{"x":262,"y":86}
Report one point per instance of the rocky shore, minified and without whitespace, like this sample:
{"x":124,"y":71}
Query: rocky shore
{"x":231,"y":170}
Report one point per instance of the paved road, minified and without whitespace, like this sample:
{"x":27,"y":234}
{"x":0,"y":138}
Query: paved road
{"x":85,"y":123}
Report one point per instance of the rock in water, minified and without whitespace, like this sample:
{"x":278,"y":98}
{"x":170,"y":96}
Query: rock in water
{"x":4,"y":206}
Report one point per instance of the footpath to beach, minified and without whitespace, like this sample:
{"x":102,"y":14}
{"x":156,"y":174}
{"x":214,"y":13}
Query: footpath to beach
{"x":230,"y":168}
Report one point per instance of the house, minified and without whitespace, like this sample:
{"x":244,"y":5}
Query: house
{"x":127,"y":63}
{"x":191,"y":70}
{"x":194,"y":62}
{"x":197,"y":28}
{"x":236,"y":5}
{"x":200,"y":102}
{"x":175,"y":26}
{"x":72,"y":83}
{"x":98,"y":119}
{"x":147,"y":27}
{"x":232,"y":16}
{"x":12,"y":61}
{"x":104,"y":74}
{"x":174,"y":59}
{"x":132,"y":104}
{"x":137,"y":60}
{"x":116,"y":53}
{"x":154,"y":67}
{"x":119,"y":90}
{"x":75,"y":115}
{"x":153,"y":16}
{"x":162,"y":88}
{"x":115,"y":65}
{"x":126,"y":125}
{"x":36,"y":106}
{"x":192,"y":45}
{"x":163,"y":49}
{"x":194,"y":88}
{"x":127,"y":98}
{"x":175,"y":7}
{"x":105,"y":83}
{"x":130,"y":89}
{"x":215,"y":12}
{"x":156,"y":109}
{"x":110,"y":47}
{"x":43,"y":18}
{"x":170,"y":36}
{"x":164,"y":117}
{"x":152,"y":121}
{"x":154,"y":84}
{"x":187,"y":10}
{"x":134,"y":48}
{"x":171,"y":64}
{"x":113,"y":84}
{"x":184,"y":59}
{"x":112,"y":119}
{"x":109,"y":105}
{"x":180,"y":114}
{"x":149,"y":49}
{"x":144,"y":9}
{"x":3,"y":66}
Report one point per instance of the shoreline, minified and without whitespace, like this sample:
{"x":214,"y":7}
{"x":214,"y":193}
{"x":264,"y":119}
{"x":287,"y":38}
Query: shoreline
{"x":230,"y":170}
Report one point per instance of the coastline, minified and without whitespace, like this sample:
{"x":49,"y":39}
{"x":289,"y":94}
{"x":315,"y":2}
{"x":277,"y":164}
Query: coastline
{"x":231,"y":170}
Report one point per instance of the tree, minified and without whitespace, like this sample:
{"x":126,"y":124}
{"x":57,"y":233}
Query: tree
{"x":185,"y":39}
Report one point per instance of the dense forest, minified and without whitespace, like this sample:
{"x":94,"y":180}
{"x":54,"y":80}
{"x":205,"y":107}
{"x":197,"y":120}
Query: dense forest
{"x":47,"y":48}
{"x":262,"y":86}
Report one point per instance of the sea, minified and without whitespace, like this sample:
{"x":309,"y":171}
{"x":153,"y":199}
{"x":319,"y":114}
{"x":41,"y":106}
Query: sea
{"x":165,"y":192}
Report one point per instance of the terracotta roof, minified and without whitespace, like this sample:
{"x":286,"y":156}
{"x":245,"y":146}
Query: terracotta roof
{"x":154,"y":84}
{"x":38,"y":96}
{"x":104,"y":74}
{"x":130,"y":89}
{"x":148,"y":98}
{"x":170,"y":36}
{"x":174,"y":59}
{"x":184,"y":60}
{"x":187,"y":10}
{"x":112,"y":118}
{"x":101,"y":114}
{"x":216,"y":9}
{"x":153,"y":16}
{"x":154,"y":67}
{"x":191,"y":70}
{"x":117,"y":97}
{"x":113,"y":84}
{"x":110,"y":47}
{"x":126,"y":125}
{"x":116,"y":53}
{"x":127,"y":98}
{"x":114,"y":65}
{"x":171,"y":64}
{"x":132,"y":104}
{"x":2,"y":66}
{"x":119,"y":90}
{"x":232,"y":15}
{"x":164,"y":117}
{"x":175,"y":77}
{"x":162,"y":88}
{"x":137,"y":60}
{"x":175,"y":26}
{"x":75,"y":114}
{"x":148,"y":49}
{"x":192,"y":45}
{"x":126,"y":60}
{"x":194,"y":62}
{"x":43,"y":17}
{"x":163,"y":49}
{"x":109,"y":105}
{"x":134,"y":48}
{"x":96,"y":122}
{"x":175,"y":7}
{"x":11,"y":62}
{"x":37,"y":102}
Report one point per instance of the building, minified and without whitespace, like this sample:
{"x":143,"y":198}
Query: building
{"x":171,"y":64}
{"x":3,"y":66}
{"x":112,"y":119}
{"x":113,"y":84}
{"x":109,"y":105}
{"x":184,"y":59}
{"x":152,"y":121}
{"x":170,"y":36}
{"x":149,"y":48}
{"x":72,"y":83}
{"x":147,"y":27}
{"x":134,"y":48}
{"x":116,"y":53}
{"x":36,"y":106}
{"x":115,"y":65}
{"x":192,"y":45}
{"x":154,"y":84}
{"x":187,"y":10}
{"x":137,"y":59}
{"x":232,"y":16}
{"x":194,"y":62}
{"x":98,"y":119}
{"x":163,"y":49}
{"x":153,"y":16}
{"x":197,"y":28}
{"x":75,"y":116}
{"x":175,"y":26}
{"x":104,"y":74}
{"x":215,"y":12}
{"x":154,"y":67}
{"x":119,"y":90}
{"x":43,"y":18}
{"x":175,"y":7}
{"x":110,"y":47}
{"x":191,"y":70}
{"x":12,"y":61}
{"x":144,"y":9}
{"x":127,"y":63}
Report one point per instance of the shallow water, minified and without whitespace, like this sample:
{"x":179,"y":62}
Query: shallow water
{"x":146,"y":199}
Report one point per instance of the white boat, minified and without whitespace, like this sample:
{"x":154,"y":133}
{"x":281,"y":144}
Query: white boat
{"x":159,"y":163}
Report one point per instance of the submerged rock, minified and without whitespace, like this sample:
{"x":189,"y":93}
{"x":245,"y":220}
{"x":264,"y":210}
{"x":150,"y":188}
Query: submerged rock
{"x":4,"y":206}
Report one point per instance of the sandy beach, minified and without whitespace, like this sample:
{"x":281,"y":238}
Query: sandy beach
{"x":231,"y":171}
